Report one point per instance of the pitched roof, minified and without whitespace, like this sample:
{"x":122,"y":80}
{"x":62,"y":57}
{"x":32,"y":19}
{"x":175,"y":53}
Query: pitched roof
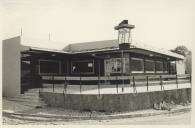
{"x":113,"y":45}
{"x":95,"y":46}
{"x":92,"y":46}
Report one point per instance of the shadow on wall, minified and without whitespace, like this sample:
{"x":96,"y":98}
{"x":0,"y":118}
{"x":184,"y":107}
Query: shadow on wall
{"x":115,"y":102}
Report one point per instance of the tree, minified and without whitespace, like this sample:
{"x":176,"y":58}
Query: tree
{"x":183,"y":50}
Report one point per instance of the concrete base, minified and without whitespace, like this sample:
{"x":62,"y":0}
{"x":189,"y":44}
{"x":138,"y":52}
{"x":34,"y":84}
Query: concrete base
{"x":115,"y":102}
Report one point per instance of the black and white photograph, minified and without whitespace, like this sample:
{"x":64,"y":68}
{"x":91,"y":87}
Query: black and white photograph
{"x":97,"y":62}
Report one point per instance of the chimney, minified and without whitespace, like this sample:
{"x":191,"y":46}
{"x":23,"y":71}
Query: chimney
{"x":124,"y":34}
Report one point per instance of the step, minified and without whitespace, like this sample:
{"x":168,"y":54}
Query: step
{"x":25,"y":100}
{"x":31,"y":94}
{"x":27,"y":97}
{"x":33,"y":90}
{"x":33,"y":103}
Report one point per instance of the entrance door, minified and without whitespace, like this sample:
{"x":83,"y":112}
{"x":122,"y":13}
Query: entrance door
{"x":107,"y":67}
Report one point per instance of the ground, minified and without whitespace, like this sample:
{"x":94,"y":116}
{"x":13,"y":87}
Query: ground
{"x":168,"y":119}
{"x":16,"y":113}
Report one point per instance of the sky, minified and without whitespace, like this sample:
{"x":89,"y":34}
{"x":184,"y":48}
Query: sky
{"x":160,"y":23}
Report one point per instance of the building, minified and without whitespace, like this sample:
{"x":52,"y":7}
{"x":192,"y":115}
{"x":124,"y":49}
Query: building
{"x":23,"y":66}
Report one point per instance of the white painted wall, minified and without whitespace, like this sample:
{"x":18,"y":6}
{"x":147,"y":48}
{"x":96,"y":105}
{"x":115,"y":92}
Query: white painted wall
{"x":180,"y":66}
{"x":11,"y":66}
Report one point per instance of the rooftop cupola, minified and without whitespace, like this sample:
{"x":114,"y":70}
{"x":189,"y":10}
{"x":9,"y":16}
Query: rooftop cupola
{"x":124,"y":34}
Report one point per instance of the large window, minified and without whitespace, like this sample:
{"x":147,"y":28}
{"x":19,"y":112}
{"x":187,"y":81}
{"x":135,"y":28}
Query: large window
{"x":137,"y":65}
{"x":49,"y":67}
{"x":159,"y":67}
{"x":82,"y":67}
{"x":173,"y":67}
{"x":149,"y":66}
{"x":114,"y":65}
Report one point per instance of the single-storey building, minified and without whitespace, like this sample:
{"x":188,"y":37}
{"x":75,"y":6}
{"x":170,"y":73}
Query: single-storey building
{"x":23,"y":66}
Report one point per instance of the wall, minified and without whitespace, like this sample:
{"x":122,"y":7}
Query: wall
{"x":180,"y":67}
{"x":11,"y":72}
{"x":115,"y":102}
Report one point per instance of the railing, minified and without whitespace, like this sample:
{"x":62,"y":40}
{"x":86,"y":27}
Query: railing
{"x":61,"y":83}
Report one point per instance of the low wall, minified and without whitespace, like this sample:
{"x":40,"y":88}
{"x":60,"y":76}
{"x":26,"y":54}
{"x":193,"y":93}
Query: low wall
{"x":115,"y":102}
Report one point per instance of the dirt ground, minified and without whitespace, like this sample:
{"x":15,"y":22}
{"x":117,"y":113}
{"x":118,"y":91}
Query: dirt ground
{"x":35,"y":116}
{"x":170,"y":119}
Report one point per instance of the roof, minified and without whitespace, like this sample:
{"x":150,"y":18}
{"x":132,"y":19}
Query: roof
{"x":124,"y":24}
{"x":92,"y":46}
{"x":157,"y":50}
{"x":95,"y":46}
{"x":113,"y":45}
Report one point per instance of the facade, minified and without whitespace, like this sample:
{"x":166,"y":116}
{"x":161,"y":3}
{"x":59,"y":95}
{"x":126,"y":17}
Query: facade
{"x":120,"y":57}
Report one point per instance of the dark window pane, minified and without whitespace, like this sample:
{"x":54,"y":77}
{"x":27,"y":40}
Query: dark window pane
{"x":149,"y":65}
{"x":159,"y":66}
{"x":137,"y":64}
{"x":49,"y":66}
{"x":173,"y":67}
{"x":165,"y":67}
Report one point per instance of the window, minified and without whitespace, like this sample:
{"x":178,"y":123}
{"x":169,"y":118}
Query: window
{"x":137,"y":65}
{"x":82,"y":67}
{"x":149,"y":66}
{"x":159,"y":66}
{"x":49,"y":67}
{"x":114,"y":65}
{"x":165,"y":66}
{"x":173,"y":67}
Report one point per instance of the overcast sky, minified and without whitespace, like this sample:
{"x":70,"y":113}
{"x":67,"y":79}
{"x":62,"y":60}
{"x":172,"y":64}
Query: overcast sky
{"x":161,"y":23}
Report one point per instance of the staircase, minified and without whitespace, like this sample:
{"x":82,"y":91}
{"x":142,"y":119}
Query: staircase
{"x":30,"y":98}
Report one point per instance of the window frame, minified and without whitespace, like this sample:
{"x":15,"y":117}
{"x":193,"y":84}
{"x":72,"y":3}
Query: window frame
{"x":134,"y":58}
{"x":57,"y":61}
{"x":153,"y":65}
{"x":159,"y":71}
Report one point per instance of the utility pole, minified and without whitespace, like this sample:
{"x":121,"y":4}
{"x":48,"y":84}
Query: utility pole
{"x":21,"y":32}
{"x":49,"y":37}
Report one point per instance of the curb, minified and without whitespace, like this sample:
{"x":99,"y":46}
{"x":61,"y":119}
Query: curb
{"x":104,"y":117}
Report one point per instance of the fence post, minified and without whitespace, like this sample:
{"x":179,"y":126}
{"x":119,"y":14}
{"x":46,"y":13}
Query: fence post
{"x":161,"y":84}
{"x":53,"y":82}
{"x":191,"y":80}
{"x":117,"y":84}
{"x":134,"y":87}
{"x":80,"y":85}
{"x":40,"y":86}
{"x":39,"y":90}
{"x":176,"y":80}
{"x":99,"y":85}
{"x":133,"y":82}
{"x":147,"y":82}
{"x":65,"y":85}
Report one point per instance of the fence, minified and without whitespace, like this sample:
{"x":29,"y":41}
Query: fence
{"x":107,"y":84}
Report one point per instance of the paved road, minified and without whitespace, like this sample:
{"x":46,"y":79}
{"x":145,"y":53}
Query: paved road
{"x":173,"y":119}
